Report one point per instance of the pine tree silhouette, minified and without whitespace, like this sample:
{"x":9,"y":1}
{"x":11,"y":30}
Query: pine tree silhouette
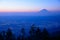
{"x":45,"y":34}
{"x":32,"y":32}
{"x":3,"y":34}
{"x":14,"y":37}
{"x":23,"y":34}
{"x":38,"y":34}
{"x":1,"y":37}
{"x":9,"y":35}
{"x":19,"y":38}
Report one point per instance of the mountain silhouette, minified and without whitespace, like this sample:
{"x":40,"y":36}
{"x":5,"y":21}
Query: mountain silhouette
{"x":44,"y":12}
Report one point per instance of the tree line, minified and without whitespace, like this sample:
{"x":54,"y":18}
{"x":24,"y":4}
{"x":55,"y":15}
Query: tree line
{"x":34,"y":34}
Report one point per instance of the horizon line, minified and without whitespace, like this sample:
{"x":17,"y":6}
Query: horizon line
{"x":26,"y":10}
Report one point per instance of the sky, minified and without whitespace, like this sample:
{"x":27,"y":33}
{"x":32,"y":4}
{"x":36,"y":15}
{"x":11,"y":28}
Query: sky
{"x":28,"y":5}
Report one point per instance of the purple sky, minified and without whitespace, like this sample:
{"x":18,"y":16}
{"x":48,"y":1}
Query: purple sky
{"x":28,"y":5}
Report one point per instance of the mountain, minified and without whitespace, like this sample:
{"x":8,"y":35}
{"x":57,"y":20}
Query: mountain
{"x":45,"y":12}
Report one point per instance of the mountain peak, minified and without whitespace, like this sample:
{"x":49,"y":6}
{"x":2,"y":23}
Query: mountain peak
{"x":44,"y":10}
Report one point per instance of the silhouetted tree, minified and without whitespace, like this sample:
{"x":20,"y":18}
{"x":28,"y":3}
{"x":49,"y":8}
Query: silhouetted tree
{"x":1,"y":37}
{"x":19,"y":37}
{"x":23,"y":34}
{"x":57,"y":35}
{"x":45,"y":34}
{"x":38,"y":34}
{"x":14,"y":37}
{"x":3,"y":34}
{"x":32,"y":32}
{"x":9,"y":35}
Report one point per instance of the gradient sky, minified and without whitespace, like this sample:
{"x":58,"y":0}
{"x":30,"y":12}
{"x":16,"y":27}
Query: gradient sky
{"x":28,"y":5}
